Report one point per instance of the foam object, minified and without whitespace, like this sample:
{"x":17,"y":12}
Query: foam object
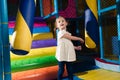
{"x":33,"y":63}
{"x":47,"y":51}
{"x":46,"y":73}
{"x":43,"y":43}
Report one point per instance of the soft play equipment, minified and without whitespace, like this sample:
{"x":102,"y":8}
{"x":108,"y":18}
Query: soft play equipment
{"x":42,"y":49}
{"x":68,"y":12}
{"x":91,"y":24}
{"x":41,"y":56}
{"x":35,"y":30}
{"x":5,"y":68}
{"x":43,"y":43}
{"x":22,"y":35}
{"x":40,"y":63}
{"x":33,"y":63}
{"x":39,"y":36}
{"x":47,"y":73}
{"x":36,"y":52}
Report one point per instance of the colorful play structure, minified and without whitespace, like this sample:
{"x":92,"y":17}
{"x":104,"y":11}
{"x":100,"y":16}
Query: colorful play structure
{"x":28,"y":42}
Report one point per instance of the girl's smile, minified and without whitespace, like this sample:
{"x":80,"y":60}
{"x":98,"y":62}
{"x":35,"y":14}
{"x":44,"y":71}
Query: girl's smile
{"x":62,"y":25}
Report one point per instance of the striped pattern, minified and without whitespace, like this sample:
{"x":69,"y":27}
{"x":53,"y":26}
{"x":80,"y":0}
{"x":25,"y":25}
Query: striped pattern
{"x":91,"y":24}
{"x":41,"y":55}
{"x":22,"y":35}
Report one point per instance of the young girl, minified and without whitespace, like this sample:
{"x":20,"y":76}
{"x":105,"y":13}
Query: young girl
{"x":65,"y":53}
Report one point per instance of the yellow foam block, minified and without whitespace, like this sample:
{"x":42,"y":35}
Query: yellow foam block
{"x":38,"y":52}
{"x":42,"y":36}
{"x":39,"y":36}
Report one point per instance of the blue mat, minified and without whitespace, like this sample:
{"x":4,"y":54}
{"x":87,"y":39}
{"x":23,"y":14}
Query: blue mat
{"x":75,"y":78}
{"x":35,"y":30}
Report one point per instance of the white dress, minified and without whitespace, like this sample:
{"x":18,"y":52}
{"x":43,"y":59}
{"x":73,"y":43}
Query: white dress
{"x":65,"y":49}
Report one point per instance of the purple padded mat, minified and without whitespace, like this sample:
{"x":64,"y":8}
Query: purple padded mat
{"x":44,"y":43}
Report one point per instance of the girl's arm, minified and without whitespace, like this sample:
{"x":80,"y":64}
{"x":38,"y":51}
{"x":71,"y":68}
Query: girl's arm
{"x":73,"y":38}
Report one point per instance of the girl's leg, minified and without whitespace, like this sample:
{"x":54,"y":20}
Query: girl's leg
{"x":69,"y":70}
{"x":61,"y":70}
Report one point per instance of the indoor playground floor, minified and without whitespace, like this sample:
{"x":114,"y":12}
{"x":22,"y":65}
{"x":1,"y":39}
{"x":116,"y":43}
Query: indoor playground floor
{"x":97,"y":74}
{"x":87,"y":72}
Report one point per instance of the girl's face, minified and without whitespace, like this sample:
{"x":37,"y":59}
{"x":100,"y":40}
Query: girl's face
{"x":61,"y":23}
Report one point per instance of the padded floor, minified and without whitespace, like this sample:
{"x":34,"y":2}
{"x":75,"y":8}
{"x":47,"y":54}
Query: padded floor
{"x":75,"y":78}
{"x":98,"y":74}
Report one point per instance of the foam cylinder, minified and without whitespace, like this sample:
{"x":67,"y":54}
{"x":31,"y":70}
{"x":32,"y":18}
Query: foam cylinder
{"x":47,"y":73}
{"x":48,"y":51}
{"x":91,"y":24}
{"x":22,"y":35}
{"x":44,"y":43}
{"x":33,"y":63}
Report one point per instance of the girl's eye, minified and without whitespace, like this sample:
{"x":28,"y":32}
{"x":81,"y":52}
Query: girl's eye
{"x":58,"y":21}
{"x":62,"y":20}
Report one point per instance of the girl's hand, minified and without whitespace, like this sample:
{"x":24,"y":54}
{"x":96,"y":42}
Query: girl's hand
{"x":78,"y":48}
{"x":81,"y":40}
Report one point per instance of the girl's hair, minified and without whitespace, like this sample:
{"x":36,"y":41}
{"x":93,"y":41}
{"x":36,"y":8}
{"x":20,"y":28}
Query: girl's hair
{"x":55,"y":28}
